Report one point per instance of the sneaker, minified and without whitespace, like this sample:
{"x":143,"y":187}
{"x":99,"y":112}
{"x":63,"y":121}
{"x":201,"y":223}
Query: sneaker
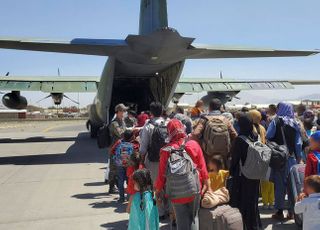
{"x":278,"y":216}
{"x":113,"y":191}
{"x":121,"y":200}
{"x":290,"y":216}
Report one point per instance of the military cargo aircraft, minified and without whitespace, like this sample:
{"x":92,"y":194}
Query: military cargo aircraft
{"x":140,"y":68}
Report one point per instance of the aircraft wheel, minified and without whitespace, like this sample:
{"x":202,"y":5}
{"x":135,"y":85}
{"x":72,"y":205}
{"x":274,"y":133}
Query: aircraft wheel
{"x":93,"y":131}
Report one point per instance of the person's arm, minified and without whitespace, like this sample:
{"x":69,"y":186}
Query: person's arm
{"x":309,"y":166}
{"x":300,"y":206}
{"x":198,"y":130}
{"x":271,"y":132}
{"x":235,"y":157}
{"x":298,"y":146}
{"x":114,"y":147}
{"x":161,"y":180}
{"x":232,"y":132}
{"x":144,"y":140}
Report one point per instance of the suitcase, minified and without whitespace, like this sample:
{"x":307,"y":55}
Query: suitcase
{"x":223,"y":217}
{"x":295,"y":182}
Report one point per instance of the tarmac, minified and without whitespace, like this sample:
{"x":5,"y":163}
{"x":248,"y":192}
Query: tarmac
{"x":52,"y":177}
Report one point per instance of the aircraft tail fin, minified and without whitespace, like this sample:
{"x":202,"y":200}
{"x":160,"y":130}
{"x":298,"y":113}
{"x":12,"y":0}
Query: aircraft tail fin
{"x":153,"y":16}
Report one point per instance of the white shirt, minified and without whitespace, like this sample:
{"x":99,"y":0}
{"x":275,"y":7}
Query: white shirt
{"x":145,"y":134}
{"x":310,"y":207}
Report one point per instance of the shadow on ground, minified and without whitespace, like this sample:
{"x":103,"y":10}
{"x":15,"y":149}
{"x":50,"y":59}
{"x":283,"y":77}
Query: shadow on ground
{"x":83,"y":150}
{"x":36,"y":139}
{"x":118,"y":225}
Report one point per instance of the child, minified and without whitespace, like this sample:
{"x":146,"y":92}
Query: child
{"x":310,"y":206}
{"x":313,"y":158}
{"x":144,"y":212}
{"x":134,"y":164}
{"x":121,"y":151}
{"x":217,"y":174}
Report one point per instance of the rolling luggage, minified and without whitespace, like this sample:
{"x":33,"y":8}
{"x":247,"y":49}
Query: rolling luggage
{"x":295,"y":183}
{"x":223,"y":217}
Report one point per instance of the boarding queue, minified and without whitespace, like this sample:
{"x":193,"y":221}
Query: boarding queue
{"x":210,"y":168}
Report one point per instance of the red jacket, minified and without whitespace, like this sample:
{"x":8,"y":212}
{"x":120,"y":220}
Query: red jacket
{"x":194,"y":150}
{"x":311,"y":165}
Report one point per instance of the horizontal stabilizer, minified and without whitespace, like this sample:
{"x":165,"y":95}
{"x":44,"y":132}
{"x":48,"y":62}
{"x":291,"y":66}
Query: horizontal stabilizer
{"x":207,"y":52}
{"x":100,"y":47}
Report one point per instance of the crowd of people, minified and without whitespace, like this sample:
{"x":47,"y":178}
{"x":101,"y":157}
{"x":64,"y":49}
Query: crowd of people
{"x":175,"y":164}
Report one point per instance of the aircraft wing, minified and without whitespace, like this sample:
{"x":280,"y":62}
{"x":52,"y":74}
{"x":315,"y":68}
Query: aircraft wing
{"x":206,"y":52}
{"x":197,"y":85}
{"x":100,"y":47}
{"x":49,"y":84}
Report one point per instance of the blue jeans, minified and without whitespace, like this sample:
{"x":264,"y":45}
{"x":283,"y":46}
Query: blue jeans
{"x":122,"y":176}
{"x":280,"y":179}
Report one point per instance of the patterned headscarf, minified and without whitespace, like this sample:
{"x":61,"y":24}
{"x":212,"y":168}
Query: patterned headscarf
{"x":176,"y":130}
{"x":286,"y":112}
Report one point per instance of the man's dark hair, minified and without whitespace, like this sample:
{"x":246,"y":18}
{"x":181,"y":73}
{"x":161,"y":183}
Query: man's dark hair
{"x":273,"y":108}
{"x":156,"y":109}
{"x":215,"y":104}
{"x":179,"y":110}
{"x":127,"y":135}
{"x":313,"y":182}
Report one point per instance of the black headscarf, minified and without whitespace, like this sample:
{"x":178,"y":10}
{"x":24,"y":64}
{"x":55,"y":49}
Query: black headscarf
{"x":246,"y":126}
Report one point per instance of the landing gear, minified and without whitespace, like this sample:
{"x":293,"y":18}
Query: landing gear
{"x":93,"y":129}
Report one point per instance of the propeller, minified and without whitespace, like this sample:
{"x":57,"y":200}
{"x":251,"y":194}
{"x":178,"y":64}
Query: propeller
{"x":44,"y":98}
{"x":74,"y":101}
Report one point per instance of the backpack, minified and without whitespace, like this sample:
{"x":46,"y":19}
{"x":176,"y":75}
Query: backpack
{"x":182,"y":178}
{"x":104,"y":137}
{"x":257,"y":162}
{"x":122,"y":154}
{"x":157,"y":141}
{"x":215,"y":138}
{"x":280,"y":153}
{"x":317,"y":155}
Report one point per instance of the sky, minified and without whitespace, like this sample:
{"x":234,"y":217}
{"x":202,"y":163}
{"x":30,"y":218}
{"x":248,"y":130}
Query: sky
{"x":286,"y":24}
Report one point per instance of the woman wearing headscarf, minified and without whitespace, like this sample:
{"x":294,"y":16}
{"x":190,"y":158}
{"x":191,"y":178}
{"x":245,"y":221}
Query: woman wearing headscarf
{"x":285,"y":118}
{"x":244,"y":192}
{"x":267,"y":187}
{"x":186,"y":208}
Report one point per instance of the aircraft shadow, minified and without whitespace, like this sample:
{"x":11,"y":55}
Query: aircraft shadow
{"x":36,"y":139}
{"x":83,"y":150}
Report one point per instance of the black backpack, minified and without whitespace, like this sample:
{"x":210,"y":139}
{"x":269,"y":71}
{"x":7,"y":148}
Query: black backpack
{"x":280,"y":152}
{"x":157,"y":141}
{"x":104,"y":137}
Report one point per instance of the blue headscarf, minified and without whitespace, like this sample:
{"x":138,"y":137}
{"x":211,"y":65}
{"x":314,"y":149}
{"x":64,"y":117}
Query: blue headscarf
{"x":316,"y":136}
{"x":286,"y":112}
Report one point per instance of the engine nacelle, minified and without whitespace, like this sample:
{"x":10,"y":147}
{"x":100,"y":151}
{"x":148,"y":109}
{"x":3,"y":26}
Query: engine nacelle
{"x":223,"y":96}
{"x":14,"y":100}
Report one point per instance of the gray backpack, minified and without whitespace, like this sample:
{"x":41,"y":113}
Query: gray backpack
{"x":257,"y":162}
{"x":182,"y":178}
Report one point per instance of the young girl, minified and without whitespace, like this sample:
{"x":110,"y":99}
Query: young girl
{"x":144,"y":213}
{"x":134,"y":164}
{"x":217,"y":174}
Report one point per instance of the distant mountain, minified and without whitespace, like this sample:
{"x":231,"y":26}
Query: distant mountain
{"x":310,"y":96}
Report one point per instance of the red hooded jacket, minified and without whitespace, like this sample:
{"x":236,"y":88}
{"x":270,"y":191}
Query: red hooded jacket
{"x":177,"y":135}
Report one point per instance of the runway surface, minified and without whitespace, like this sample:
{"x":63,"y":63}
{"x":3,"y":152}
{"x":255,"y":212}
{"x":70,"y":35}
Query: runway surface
{"x":51,"y":177}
